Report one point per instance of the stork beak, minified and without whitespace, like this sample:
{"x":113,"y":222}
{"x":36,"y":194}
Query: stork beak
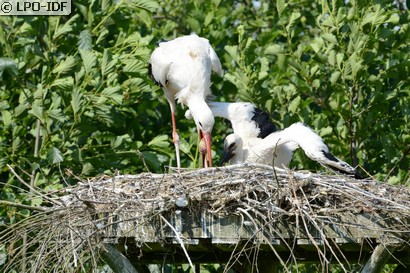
{"x":208,"y":141}
{"x":227,"y":155}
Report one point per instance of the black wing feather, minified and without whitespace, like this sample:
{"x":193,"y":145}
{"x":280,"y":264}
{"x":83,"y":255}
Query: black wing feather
{"x":262,"y":119}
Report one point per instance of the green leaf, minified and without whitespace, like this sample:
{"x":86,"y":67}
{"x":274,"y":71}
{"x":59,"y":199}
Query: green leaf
{"x":65,"y":66}
{"x":151,"y":159}
{"x":328,"y":21}
{"x":330,"y":38}
{"x":57,"y":114}
{"x":36,"y":201}
{"x":115,"y":143}
{"x":209,"y":17}
{"x":185,"y":146}
{"x":148,"y":5}
{"x":134,"y":66}
{"x":325,"y":131}
{"x":293,"y":17}
{"x":332,"y":57}
{"x":85,"y":41}
{"x":375,"y":17}
{"x":76,"y":101}
{"x":160,"y":141}
{"x":335,"y":77}
{"x":37,"y":110}
{"x":317,"y":44}
{"x":394,"y":19}
{"x":7,"y":118}
{"x":65,"y":84}
{"x":275,"y":49}
{"x":87,"y":169}
{"x":89,"y":59}
{"x":281,"y":6}
{"x":67,"y":27}
{"x":233,"y":52}
{"x":107,"y":64}
{"x":54,"y":156}
{"x":106,"y":4}
{"x":101,"y":37}
{"x":264,"y":68}
{"x":16,"y":144}
{"x":194,"y":24}
{"x":339,"y":60}
{"x":114,"y":93}
{"x":293,"y":106}
{"x":355,"y":63}
{"x":169,"y":27}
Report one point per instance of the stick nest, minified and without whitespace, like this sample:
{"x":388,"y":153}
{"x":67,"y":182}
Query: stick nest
{"x":69,"y":234}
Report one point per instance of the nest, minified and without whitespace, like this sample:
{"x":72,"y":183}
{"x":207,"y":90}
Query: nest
{"x":69,"y":234}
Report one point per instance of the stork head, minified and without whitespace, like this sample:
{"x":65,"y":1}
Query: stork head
{"x":204,"y":121}
{"x":233,"y":150}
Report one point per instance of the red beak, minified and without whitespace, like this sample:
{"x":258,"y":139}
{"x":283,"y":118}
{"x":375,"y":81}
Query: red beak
{"x":208,"y":141}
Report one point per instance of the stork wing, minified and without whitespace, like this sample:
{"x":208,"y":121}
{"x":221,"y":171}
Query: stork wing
{"x":216,"y":63}
{"x":159,"y":65}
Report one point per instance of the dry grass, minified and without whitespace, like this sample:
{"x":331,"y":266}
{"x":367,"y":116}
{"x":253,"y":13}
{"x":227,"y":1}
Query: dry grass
{"x":67,"y":236}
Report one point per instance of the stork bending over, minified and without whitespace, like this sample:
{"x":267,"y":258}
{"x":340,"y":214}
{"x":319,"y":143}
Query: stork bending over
{"x":255,"y":140}
{"x":182,"y":67}
{"x":258,"y":150}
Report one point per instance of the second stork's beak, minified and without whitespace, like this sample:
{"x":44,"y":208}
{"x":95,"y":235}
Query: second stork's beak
{"x":227,"y":155}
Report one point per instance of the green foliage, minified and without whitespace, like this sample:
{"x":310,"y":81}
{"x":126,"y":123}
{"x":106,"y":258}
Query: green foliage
{"x":76,"y":99}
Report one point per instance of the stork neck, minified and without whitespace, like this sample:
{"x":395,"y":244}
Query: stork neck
{"x":220,"y":109}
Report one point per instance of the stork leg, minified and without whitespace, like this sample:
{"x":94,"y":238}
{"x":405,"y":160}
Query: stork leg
{"x":175,"y":138}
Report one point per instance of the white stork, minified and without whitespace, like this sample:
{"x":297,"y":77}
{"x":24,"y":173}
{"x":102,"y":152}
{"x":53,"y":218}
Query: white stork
{"x":258,"y":150}
{"x":182,"y":67}
{"x":255,"y":139}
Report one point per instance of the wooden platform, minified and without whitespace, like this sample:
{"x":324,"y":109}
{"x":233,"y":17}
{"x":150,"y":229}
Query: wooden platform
{"x":210,"y":238}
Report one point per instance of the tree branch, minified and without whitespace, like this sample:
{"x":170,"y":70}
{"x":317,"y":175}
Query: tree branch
{"x":116,"y":260}
{"x":18,"y":205}
{"x":378,"y":259}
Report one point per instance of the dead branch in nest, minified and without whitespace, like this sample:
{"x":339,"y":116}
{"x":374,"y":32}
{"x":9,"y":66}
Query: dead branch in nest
{"x":70,"y":234}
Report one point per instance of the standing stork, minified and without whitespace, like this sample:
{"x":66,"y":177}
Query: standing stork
{"x":182,"y":67}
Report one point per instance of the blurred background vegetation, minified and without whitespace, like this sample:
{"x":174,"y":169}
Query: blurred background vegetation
{"x":76,"y":100}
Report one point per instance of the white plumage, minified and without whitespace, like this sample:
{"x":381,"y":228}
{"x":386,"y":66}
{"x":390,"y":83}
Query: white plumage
{"x":256,"y":140}
{"x":182,"y":67}
{"x":267,"y":150}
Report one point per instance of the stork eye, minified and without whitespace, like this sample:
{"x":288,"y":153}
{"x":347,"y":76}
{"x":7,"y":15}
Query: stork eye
{"x":200,"y":124}
{"x":232,"y":145}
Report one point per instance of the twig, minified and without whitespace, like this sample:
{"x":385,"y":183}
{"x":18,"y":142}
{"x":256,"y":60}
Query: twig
{"x":267,"y":240}
{"x":180,"y":241}
{"x":22,"y":206}
{"x":31,"y":188}
{"x":36,"y":148}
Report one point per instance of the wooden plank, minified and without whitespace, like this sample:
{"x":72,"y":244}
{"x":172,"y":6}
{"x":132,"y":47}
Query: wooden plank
{"x":344,"y":228}
{"x":215,"y":238}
